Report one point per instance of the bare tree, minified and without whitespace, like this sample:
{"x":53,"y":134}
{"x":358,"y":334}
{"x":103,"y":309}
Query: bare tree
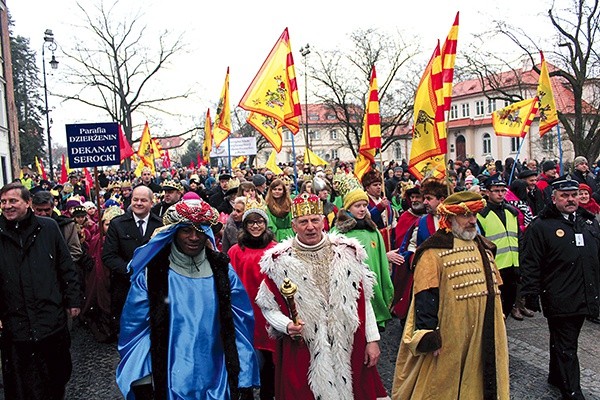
{"x":113,"y":71}
{"x":575,"y":54}
{"x":343,"y":83}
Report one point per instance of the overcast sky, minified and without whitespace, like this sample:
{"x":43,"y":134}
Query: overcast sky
{"x":240,"y":33}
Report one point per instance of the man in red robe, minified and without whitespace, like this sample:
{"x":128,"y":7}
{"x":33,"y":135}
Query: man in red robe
{"x":330,"y":349}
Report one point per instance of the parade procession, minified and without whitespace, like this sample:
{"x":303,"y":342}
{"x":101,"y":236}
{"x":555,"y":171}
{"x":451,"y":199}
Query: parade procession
{"x":437,"y":240}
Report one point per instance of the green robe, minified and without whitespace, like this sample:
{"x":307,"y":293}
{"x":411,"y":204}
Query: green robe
{"x":281,"y":227}
{"x":383,"y":291}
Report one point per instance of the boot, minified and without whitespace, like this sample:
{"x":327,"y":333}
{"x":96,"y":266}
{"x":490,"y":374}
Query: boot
{"x":516,"y":314}
{"x":524,"y":310}
{"x":143,"y":392}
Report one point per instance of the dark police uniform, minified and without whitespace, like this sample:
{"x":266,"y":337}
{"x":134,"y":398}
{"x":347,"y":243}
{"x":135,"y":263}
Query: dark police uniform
{"x":560,"y":265}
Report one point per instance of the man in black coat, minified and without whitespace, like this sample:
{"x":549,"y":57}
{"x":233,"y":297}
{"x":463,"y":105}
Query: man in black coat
{"x":218,"y":199}
{"x":561,"y":265}
{"x":535,"y":198}
{"x":38,"y":288}
{"x":172,"y":194}
{"x":148,"y":181}
{"x":125,"y":234}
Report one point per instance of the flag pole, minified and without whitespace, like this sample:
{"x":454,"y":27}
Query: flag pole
{"x":512,"y":172}
{"x":295,"y":166}
{"x":229,"y":153}
{"x":560,"y":150}
{"x":388,"y":240}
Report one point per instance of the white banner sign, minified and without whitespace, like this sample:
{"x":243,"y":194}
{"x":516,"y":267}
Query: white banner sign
{"x":245,"y":146}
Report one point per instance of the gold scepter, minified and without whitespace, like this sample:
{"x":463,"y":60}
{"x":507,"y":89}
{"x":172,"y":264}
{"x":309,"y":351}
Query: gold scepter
{"x":288,"y":289}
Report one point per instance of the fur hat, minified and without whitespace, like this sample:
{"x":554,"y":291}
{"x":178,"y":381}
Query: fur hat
{"x":371,"y":177}
{"x":435,"y":187}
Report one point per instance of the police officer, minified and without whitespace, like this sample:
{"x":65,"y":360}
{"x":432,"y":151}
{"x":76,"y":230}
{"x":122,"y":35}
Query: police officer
{"x":560,"y":264}
{"x":498,"y":223}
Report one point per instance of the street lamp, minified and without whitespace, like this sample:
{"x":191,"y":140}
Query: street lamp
{"x":48,"y":42}
{"x":305,"y":51}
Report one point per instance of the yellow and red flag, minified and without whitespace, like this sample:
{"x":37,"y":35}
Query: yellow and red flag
{"x":148,"y":151}
{"x":272,"y":97}
{"x":429,"y":145}
{"x":157,"y":148}
{"x":39,"y":165}
{"x":515,"y":119}
{"x":208,"y":139}
{"x":448,"y":59}
{"x":547,"y":107}
{"x":222,"y":126}
{"x":124,"y":146}
{"x":371,"y":135}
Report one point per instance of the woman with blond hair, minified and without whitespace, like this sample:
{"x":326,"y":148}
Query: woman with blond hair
{"x":279,"y":205}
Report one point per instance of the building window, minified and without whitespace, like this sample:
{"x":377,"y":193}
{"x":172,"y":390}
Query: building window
{"x":514,"y":144}
{"x":506,"y":103}
{"x":491,"y":106}
{"x":465,"y":110}
{"x":453,"y":111}
{"x":397,"y":151}
{"x":288,"y":136}
{"x":331,"y":117}
{"x":334,"y":154}
{"x":333,"y":134}
{"x":313,"y":117}
{"x":547,"y":142}
{"x":479,"y":107}
{"x":314,"y":135}
{"x":487,"y":143}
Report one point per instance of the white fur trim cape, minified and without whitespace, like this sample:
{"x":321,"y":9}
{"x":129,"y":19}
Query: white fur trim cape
{"x":330,"y":324}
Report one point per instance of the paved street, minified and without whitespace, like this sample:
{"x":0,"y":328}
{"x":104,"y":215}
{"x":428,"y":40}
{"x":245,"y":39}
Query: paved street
{"x":95,"y":363}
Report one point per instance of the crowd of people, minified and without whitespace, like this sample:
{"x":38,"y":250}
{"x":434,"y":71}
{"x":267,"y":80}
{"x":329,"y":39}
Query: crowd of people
{"x":218,"y":284}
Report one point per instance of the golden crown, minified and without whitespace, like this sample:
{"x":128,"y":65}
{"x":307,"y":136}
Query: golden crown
{"x":306,"y":204}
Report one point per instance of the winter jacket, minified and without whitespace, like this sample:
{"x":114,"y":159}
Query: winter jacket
{"x":37,"y":279}
{"x":122,"y":238}
{"x":554,"y":267}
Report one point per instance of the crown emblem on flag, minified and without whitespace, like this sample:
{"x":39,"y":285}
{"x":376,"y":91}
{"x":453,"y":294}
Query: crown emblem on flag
{"x":306,"y":204}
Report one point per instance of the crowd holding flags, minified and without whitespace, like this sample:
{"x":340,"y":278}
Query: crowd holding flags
{"x":39,"y":166}
{"x":272,"y":100}
{"x":371,"y":136}
{"x":272,"y":97}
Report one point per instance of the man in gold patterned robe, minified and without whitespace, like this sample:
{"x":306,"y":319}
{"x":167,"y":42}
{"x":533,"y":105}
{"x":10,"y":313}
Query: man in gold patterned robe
{"x":454,"y":343}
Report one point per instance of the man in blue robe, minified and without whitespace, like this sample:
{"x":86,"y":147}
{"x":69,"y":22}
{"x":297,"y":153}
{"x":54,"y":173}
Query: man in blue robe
{"x":187,"y":325}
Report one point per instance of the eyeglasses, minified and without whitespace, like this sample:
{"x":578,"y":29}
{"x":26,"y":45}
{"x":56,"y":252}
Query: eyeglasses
{"x":256,"y":223}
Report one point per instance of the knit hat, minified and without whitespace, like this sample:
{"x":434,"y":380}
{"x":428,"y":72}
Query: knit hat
{"x":548,"y":165}
{"x":258,"y":180}
{"x":351,"y":190}
{"x":579,"y":160}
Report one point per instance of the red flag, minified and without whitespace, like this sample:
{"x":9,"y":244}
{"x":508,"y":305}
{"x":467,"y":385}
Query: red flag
{"x":448,"y":58}
{"x":192,"y":165}
{"x":41,"y":168}
{"x":126,"y":150}
{"x":89,"y":181}
{"x":166,"y":159}
{"x":371,"y":136}
{"x":64,"y":176}
{"x":199,"y":160}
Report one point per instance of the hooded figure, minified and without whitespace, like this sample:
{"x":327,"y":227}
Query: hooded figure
{"x":187,"y":324}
